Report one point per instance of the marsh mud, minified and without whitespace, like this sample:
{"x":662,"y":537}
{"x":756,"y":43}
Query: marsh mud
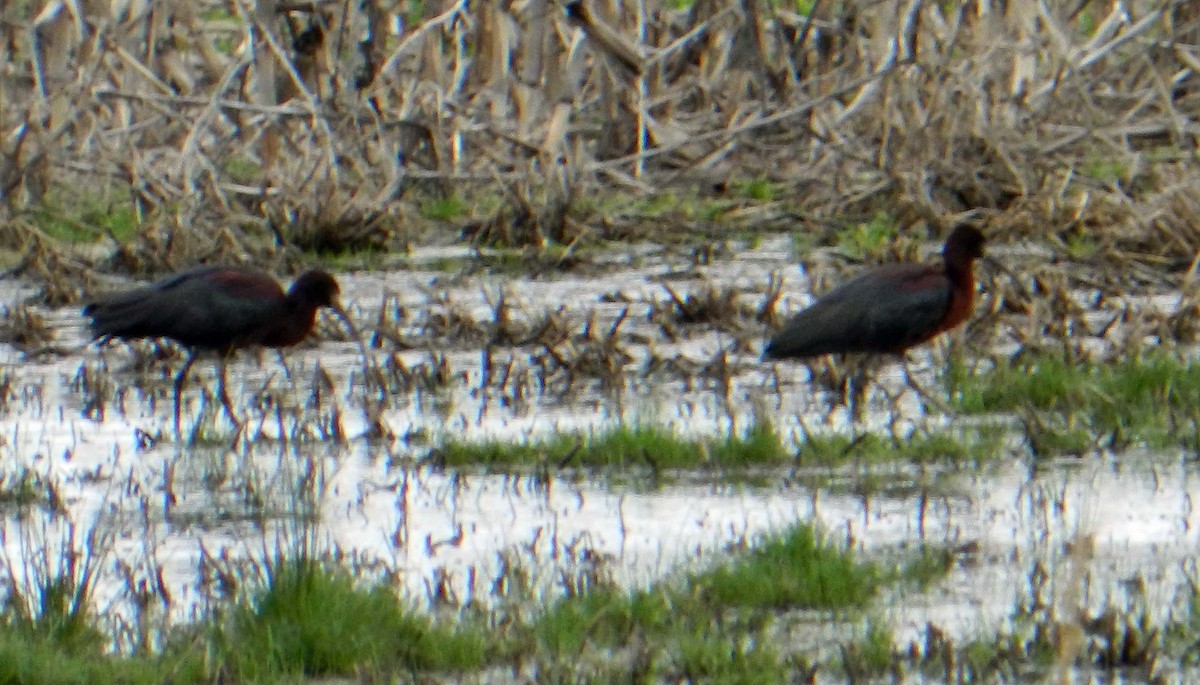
{"x":340,"y":448}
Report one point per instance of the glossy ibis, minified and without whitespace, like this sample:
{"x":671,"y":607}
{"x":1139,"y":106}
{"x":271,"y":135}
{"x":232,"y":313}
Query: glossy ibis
{"x":217,"y":308}
{"x":888,"y":309}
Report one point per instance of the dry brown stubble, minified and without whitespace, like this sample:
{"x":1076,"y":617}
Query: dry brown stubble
{"x":316,"y":125}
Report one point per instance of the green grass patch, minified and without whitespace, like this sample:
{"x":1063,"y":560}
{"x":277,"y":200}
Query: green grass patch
{"x":718,"y":624}
{"x":624,"y":446}
{"x":802,"y":242}
{"x":88,"y":219}
{"x":445,"y":209}
{"x":657,"y":448}
{"x":659,"y":204}
{"x":760,"y":188}
{"x":1182,"y":632}
{"x":969,"y":446}
{"x":930,"y":566}
{"x":1054,"y":435}
{"x":217,"y":14}
{"x":243,"y":169}
{"x":870,"y":656}
{"x":23,"y":487}
{"x":29,"y":658}
{"x":1152,"y":400}
{"x":710,"y":655}
{"x":354,"y":260}
{"x":1082,"y":246}
{"x":682,"y":206}
{"x":603,"y":617}
{"x":48,"y":637}
{"x":868,"y":239}
{"x":311,"y":620}
{"x":1105,"y":169}
{"x":796,"y":570}
{"x":314,"y":619}
{"x":225,"y":45}
{"x":678,"y":636}
{"x":525,"y":261}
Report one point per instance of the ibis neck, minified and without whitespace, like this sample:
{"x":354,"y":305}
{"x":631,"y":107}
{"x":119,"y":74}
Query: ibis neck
{"x":293,"y":326}
{"x":962,"y":272}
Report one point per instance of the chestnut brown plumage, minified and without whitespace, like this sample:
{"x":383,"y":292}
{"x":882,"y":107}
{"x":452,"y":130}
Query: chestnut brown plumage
{"x":888,"y":309}
{"x":219,"y":308}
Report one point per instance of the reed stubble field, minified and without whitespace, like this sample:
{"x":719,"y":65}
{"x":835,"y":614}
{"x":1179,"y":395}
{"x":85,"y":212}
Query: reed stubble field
{"x":138,"y":138}
{"x":221,"y":130}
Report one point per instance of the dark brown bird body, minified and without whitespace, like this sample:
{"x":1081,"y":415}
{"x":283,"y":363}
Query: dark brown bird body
{"x":216,"y":308}
{"x":219,"y":308}
{"x":888,"y":309}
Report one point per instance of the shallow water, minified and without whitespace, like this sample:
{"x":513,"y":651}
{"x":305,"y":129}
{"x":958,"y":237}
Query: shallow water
{"x":162,"y":508}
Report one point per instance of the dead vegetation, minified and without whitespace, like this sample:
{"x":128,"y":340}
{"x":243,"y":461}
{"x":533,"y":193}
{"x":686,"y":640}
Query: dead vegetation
{"x":708,"y":305}
{"x":24,"y":328}
{"x":228,"y":129}
{"x":597,"y":352}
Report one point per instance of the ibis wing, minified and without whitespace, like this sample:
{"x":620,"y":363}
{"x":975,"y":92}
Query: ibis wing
{"x":146,"y":312}
{"x":226,"y":312}
{"x":885,"y":310}
{"x":208,"y":307}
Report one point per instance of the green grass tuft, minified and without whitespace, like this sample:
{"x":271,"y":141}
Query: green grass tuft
{"x":760,"y":188}
{"x":625,"y":446}
{"x":793,"y":571}
{"x":971,"y":446}
{"x":30,"y":659}
{"x":933,"y":564}
{"x":86,"y":220}
{"x":49,"y":638}
{"x":870,"y":238}
{"x":603,"y":617}
{"x":314,"y":620}
{"x":1105,"y":169}
{"x":1152,"y":400}
{"x":871,"y":656}
{"x":715,"y":625}
{"x":243,"y":170}
{"x":445,"y":209}
{"x":711,"y":656}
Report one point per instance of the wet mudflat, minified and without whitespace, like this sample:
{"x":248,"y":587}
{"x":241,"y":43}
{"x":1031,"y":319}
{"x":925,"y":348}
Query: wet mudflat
{"x":346,"y":452}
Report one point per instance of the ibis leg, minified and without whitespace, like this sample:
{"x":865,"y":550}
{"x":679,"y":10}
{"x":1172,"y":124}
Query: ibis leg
{"x":911,"y":380}
{"x":179,"y":380}
{"x":859,"y":383}
{"x":223,"y":393}
{"x":287,"y":373}
{"x":856,"y":395}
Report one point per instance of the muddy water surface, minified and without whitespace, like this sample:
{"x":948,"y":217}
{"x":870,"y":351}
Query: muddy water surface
{"x":93,"y":428}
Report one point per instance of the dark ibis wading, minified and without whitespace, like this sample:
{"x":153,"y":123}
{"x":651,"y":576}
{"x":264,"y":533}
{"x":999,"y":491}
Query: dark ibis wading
{"x":888,"y":309}
{"x":218,"y":308}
